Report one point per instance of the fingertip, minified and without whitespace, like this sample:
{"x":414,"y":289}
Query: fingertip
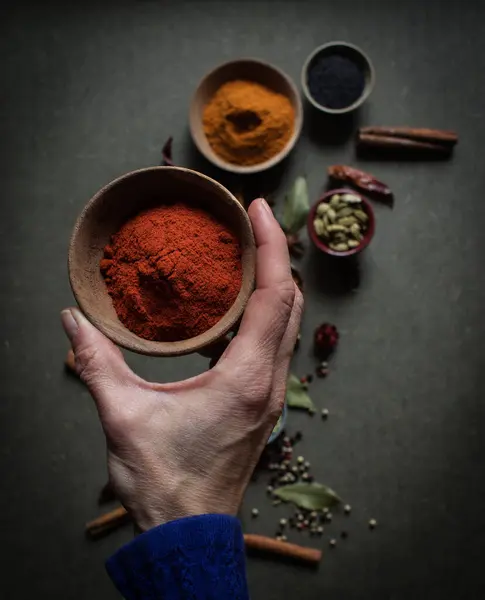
{"x":260,"y":207}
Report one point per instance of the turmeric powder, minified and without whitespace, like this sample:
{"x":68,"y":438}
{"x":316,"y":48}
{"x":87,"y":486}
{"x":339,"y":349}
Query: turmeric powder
{"x":246,"y":123}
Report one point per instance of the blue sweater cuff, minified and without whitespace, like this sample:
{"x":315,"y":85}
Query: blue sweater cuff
{"x":197,"y":557}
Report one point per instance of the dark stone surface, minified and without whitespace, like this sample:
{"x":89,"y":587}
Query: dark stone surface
{"x":89,"y":93}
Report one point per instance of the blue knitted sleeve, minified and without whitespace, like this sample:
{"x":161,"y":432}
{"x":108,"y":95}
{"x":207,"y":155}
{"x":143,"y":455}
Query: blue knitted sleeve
{"x":200,"y":558}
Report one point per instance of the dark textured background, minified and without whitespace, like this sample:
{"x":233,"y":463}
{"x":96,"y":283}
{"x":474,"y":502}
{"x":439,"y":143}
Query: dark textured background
{"x":89,"y":93}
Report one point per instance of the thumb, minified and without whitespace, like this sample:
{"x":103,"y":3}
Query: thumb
{"x":98,"y":362}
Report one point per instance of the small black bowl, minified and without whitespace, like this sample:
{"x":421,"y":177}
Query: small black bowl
{"x":356,"y":55}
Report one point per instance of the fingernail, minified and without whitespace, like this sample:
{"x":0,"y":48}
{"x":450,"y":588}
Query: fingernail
{"x":69,"y":323}
{"x":266,"y":206}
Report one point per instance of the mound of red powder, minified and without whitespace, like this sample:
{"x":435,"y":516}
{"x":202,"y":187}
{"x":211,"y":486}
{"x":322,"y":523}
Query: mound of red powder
{"x":172,"y":272}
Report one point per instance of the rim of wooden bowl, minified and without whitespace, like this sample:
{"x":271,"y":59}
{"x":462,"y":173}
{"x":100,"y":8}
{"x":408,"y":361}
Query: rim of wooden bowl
{"x":83,"y":262}
{"x":234,"y":67}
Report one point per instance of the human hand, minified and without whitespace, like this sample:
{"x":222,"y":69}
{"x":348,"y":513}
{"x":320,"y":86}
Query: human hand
{"x":189,"y":448}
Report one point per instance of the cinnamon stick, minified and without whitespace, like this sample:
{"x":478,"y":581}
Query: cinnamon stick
{"x":381,"y":142}
{"x":107,"y":522}
{"x":433,"y":136}
{"x":70,"y":361}
{"x":267,"y":544}
{"x":117,"y":517}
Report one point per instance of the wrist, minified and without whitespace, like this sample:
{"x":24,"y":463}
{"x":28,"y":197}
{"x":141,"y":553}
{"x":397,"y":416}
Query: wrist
{"x":152,"y":514}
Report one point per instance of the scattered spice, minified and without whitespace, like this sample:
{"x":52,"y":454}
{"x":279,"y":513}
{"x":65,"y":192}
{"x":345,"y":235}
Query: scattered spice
{"x":363,"y":181}
{"x":325,"y":339}
{"x":247,"y":123}
{"x":172,"y":272}
{"x":434,"y":136}
{"x":309,"y":496}
{"x":366,"y":141}
{"x":341,"y":222}
{"x":406,"y":139}
{"x":167,"y":159}
{"x":335,"y":81}
{"x":296,"y":394}
{"x":295,"y":212}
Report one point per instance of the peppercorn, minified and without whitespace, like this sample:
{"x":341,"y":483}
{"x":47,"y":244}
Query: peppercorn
{"x":329,"y":516}
{"x":270,"y":489}
{"x":255,"y":512}
{"x":347,"y":509}
{"x":325,"y":413}
{"x":372,"y":523}
{"x":333,"y":543}
{"x":321,"y":371}
{"x":300,"y":460}
{"x":325,"y":339}
{"x":283,"y":522}
{"x":344,"y":535}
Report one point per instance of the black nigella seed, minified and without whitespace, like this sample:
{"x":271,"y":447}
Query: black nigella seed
{"x":335,"y":81}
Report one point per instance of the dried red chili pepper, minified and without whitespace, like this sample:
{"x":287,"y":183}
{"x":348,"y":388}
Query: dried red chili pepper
{"x":167,"y":160}
{"x":362,"y":180}
{"x":325,"y":339}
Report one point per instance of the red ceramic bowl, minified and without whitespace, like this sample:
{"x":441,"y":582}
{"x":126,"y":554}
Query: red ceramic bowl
{"x":369,"y":234}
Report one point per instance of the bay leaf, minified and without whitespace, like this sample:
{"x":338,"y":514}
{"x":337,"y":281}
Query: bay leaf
{"x":296,"y":394}
{"x":296,"y":207}
{"x":309,"y":496}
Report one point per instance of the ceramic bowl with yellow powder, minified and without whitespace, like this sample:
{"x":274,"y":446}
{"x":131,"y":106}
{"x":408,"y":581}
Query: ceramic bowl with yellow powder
{"x":246,"y":116}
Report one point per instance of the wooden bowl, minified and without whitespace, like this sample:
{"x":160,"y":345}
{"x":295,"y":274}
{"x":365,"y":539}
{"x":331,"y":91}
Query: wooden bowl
{"x":250,"y":70}
{"x":368,"y":235}
{"x":120,"y":200}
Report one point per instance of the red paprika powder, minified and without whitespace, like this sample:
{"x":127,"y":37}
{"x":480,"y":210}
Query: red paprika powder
{"x":172,"y":272}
